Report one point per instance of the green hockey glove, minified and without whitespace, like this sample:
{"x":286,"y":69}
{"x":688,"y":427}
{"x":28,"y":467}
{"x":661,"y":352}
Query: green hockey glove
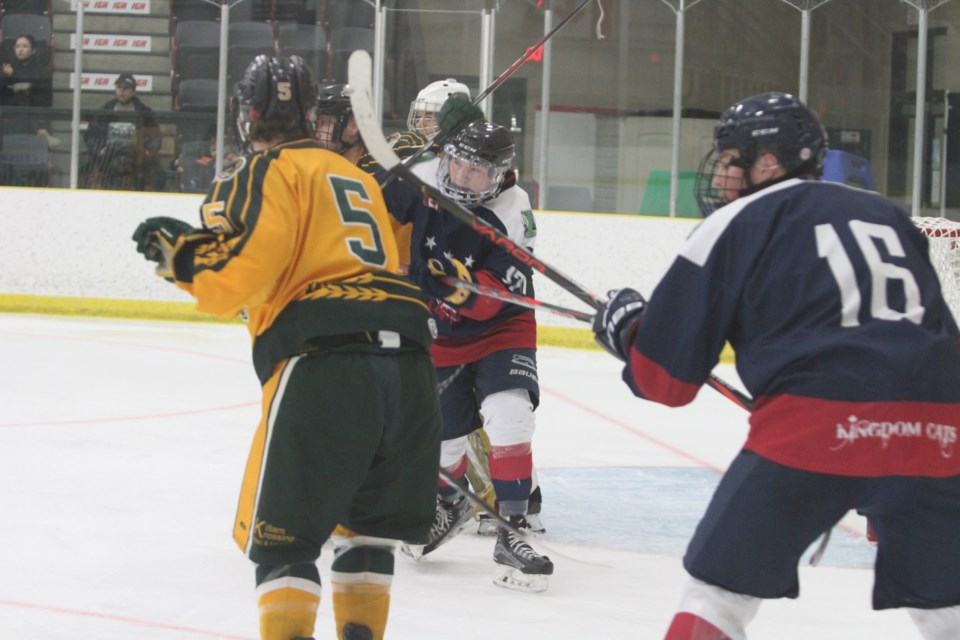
{"x":456,"y":113}
{"x":156,"y":239}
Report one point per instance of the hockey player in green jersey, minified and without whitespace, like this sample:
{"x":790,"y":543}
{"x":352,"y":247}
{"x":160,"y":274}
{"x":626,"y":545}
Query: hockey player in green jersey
{"x":298,"y":240}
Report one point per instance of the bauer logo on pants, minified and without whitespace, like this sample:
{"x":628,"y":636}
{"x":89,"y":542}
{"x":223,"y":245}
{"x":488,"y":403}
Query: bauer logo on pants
{"x":524,"y":361}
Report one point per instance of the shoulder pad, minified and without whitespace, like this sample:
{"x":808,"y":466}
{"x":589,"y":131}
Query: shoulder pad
{"x":233,"y":169}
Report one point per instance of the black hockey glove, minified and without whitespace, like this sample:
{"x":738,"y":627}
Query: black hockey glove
{"x":617,"y":320}
{"x":156,"y":239}
{"x":456,"y":113}
{"x":429,"y":276}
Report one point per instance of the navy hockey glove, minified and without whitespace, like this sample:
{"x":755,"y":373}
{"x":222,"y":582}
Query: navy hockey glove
{"x":456,"y":113}
{"x":429,"y":276}
{"x":156,"y":239}
{"x":617,"y":320}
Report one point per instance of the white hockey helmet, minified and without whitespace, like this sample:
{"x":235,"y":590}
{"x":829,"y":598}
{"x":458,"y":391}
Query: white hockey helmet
{"x":429,"y":101}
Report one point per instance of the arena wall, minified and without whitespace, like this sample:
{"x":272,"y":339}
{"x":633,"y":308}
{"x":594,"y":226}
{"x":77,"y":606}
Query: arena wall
{"x":69,"y":252}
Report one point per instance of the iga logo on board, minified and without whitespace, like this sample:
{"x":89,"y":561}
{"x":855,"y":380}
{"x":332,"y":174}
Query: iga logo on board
{"x":129,"y":7}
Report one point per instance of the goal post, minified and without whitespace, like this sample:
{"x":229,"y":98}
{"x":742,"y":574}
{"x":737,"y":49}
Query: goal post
{"x":944,"y":237}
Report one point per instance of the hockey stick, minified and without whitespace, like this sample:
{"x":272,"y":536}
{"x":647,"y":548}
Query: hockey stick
{"x":517,"y":299}
{"x":412,"y":159}
{"x":446,"y":382}
{"x":731,"y":392}
{"x":361,"y":99}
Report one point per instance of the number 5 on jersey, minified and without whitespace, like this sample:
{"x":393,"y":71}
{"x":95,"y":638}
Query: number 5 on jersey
{"x":352,"y":214}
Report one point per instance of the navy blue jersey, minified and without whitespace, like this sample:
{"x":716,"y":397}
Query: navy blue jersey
{"x":842,"y":336}
{"x":484,"y":325}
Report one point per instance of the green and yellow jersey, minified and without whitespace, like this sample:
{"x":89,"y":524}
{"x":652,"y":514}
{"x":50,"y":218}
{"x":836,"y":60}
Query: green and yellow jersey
{"x":298,"y":240}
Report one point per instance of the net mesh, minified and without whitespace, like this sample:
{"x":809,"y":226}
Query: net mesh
{"x":944,"y":236}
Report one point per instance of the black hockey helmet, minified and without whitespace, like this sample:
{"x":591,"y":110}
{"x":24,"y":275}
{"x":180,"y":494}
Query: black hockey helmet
{"x":774,"y":122}
{"x":276,"y":96}
{"x":333,"y":100}
{"x":488,"y":150}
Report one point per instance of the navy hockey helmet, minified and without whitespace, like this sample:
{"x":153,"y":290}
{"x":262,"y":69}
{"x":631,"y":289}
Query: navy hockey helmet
{"x":773,"y":122}
{"x":475,"y":162}
{"x":333,"y":113}
{"x":275,"y":97}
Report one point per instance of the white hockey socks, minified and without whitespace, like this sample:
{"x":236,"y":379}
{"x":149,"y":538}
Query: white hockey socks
{"x":937,"y":624}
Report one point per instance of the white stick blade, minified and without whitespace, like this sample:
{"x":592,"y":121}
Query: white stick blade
{"x":361,"y":99}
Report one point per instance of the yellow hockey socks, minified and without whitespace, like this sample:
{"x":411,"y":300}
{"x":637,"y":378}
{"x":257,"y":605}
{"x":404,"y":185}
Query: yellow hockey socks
{"x":288,"y":608}
{"x":361,"y":576}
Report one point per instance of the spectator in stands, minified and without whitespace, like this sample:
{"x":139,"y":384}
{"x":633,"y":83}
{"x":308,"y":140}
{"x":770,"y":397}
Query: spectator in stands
{"x":123,"y":142}
{"x":196,"y":172}
{"x":25,"y":82}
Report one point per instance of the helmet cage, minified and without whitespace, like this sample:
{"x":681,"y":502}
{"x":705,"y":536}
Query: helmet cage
{"x":429,"y":101}
{"x":492,"y":177}
{"x":333,"y":100}
{"x":708,"y":196}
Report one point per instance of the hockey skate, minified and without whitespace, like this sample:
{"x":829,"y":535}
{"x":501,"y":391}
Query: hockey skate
{"x":487,"y":525}
{"x":519,"y":566}
{"x":353,"y":631}
{"x":534,"y":505}
{"x":449,"y":520}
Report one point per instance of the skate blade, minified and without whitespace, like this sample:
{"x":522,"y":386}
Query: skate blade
{"x":412,"y":551}
{"x":510,"y":578}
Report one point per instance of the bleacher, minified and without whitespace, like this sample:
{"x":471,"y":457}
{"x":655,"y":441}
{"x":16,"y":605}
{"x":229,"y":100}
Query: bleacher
{"x":25,"y":156}
{"x":177,"y":55}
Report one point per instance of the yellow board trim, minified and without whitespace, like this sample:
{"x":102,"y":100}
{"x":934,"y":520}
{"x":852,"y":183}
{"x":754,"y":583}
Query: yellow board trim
{"x":185,"y":311}
{"x":104,"y":308}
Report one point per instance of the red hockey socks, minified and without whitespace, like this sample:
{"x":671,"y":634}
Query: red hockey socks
{"x":688,"y":626}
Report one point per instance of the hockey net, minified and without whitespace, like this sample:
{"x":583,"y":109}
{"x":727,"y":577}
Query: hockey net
{"x":944,"y":237}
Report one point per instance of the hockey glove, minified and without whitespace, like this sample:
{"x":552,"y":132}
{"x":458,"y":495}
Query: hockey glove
{"x":156,"y":239}
{"x":430,"y":277}
{"x":456,"y":113}
{"x":617,"y":320}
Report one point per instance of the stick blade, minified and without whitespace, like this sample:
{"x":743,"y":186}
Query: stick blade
{"x":359,"y":68}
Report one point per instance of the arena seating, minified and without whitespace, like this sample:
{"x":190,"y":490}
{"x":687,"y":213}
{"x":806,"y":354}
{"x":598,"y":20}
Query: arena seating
{"x":308,"y":41}
{"x":247,"y":40}
{"x":38,"y":7}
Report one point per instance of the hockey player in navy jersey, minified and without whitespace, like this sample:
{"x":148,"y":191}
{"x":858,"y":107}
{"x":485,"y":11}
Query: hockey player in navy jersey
{"x":337,"y":131}
{"x":485,"y":352}
{"x":828,"y":297}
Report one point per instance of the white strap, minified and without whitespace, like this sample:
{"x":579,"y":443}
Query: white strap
{"x":389,"y":339}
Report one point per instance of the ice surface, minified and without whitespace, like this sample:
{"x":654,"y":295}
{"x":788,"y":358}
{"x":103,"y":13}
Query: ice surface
{"x":122,"y":444}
